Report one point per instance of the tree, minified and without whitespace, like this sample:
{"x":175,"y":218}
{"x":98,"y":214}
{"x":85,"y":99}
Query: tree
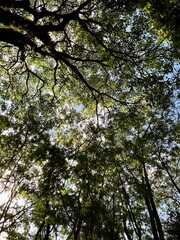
{"x":89,"y":120}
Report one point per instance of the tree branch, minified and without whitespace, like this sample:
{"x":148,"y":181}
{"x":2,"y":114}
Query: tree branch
{"x":16,"y":38}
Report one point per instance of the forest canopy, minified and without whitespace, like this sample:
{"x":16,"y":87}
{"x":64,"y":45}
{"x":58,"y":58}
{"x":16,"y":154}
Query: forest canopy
{"x":89,"y":119}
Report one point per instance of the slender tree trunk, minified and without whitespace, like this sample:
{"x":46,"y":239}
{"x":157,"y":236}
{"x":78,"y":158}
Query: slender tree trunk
{"x":153,"y":223}
{"x":113,"y":216}
{"x":157,"y":219}
{"x":128,"y":205}
{"x":126,"y":229}
{"x":47,"y":232}
{"x":153,"y":208}
{"x":39,"y":230}
{"x":76,"y":234}
{"x":77,"y":230}
{"x":171,"y":178}
{"x":91,"y":227}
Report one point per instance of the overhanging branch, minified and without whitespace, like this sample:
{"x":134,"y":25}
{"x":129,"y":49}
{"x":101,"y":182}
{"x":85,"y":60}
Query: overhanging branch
{"x":15,"y":38}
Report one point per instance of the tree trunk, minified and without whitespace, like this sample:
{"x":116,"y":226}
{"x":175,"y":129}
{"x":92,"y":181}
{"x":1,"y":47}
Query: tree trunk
{"x":126,"y":229}
{"x":153,"y":223}
{"x":153,"y":209}
{"x":47,"y":232}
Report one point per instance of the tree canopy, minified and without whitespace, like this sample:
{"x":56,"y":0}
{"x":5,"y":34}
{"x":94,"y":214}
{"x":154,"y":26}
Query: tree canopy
{"x":89,"y":119}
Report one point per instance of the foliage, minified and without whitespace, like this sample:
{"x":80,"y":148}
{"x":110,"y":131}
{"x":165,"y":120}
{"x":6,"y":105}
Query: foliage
{"x":164,"y":15}
{"x":89,"y":119}
{"x":173,"y":224}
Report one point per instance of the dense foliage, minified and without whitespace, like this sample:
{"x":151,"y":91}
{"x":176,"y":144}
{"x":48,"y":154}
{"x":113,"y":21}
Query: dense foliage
{"x":173,"y":225}
{"x":89,"y":119}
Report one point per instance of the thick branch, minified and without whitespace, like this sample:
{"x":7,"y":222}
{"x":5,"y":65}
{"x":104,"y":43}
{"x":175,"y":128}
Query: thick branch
{"x":14,"y":4}
{"x":10,"y":19}
{"x":18,"y":39}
